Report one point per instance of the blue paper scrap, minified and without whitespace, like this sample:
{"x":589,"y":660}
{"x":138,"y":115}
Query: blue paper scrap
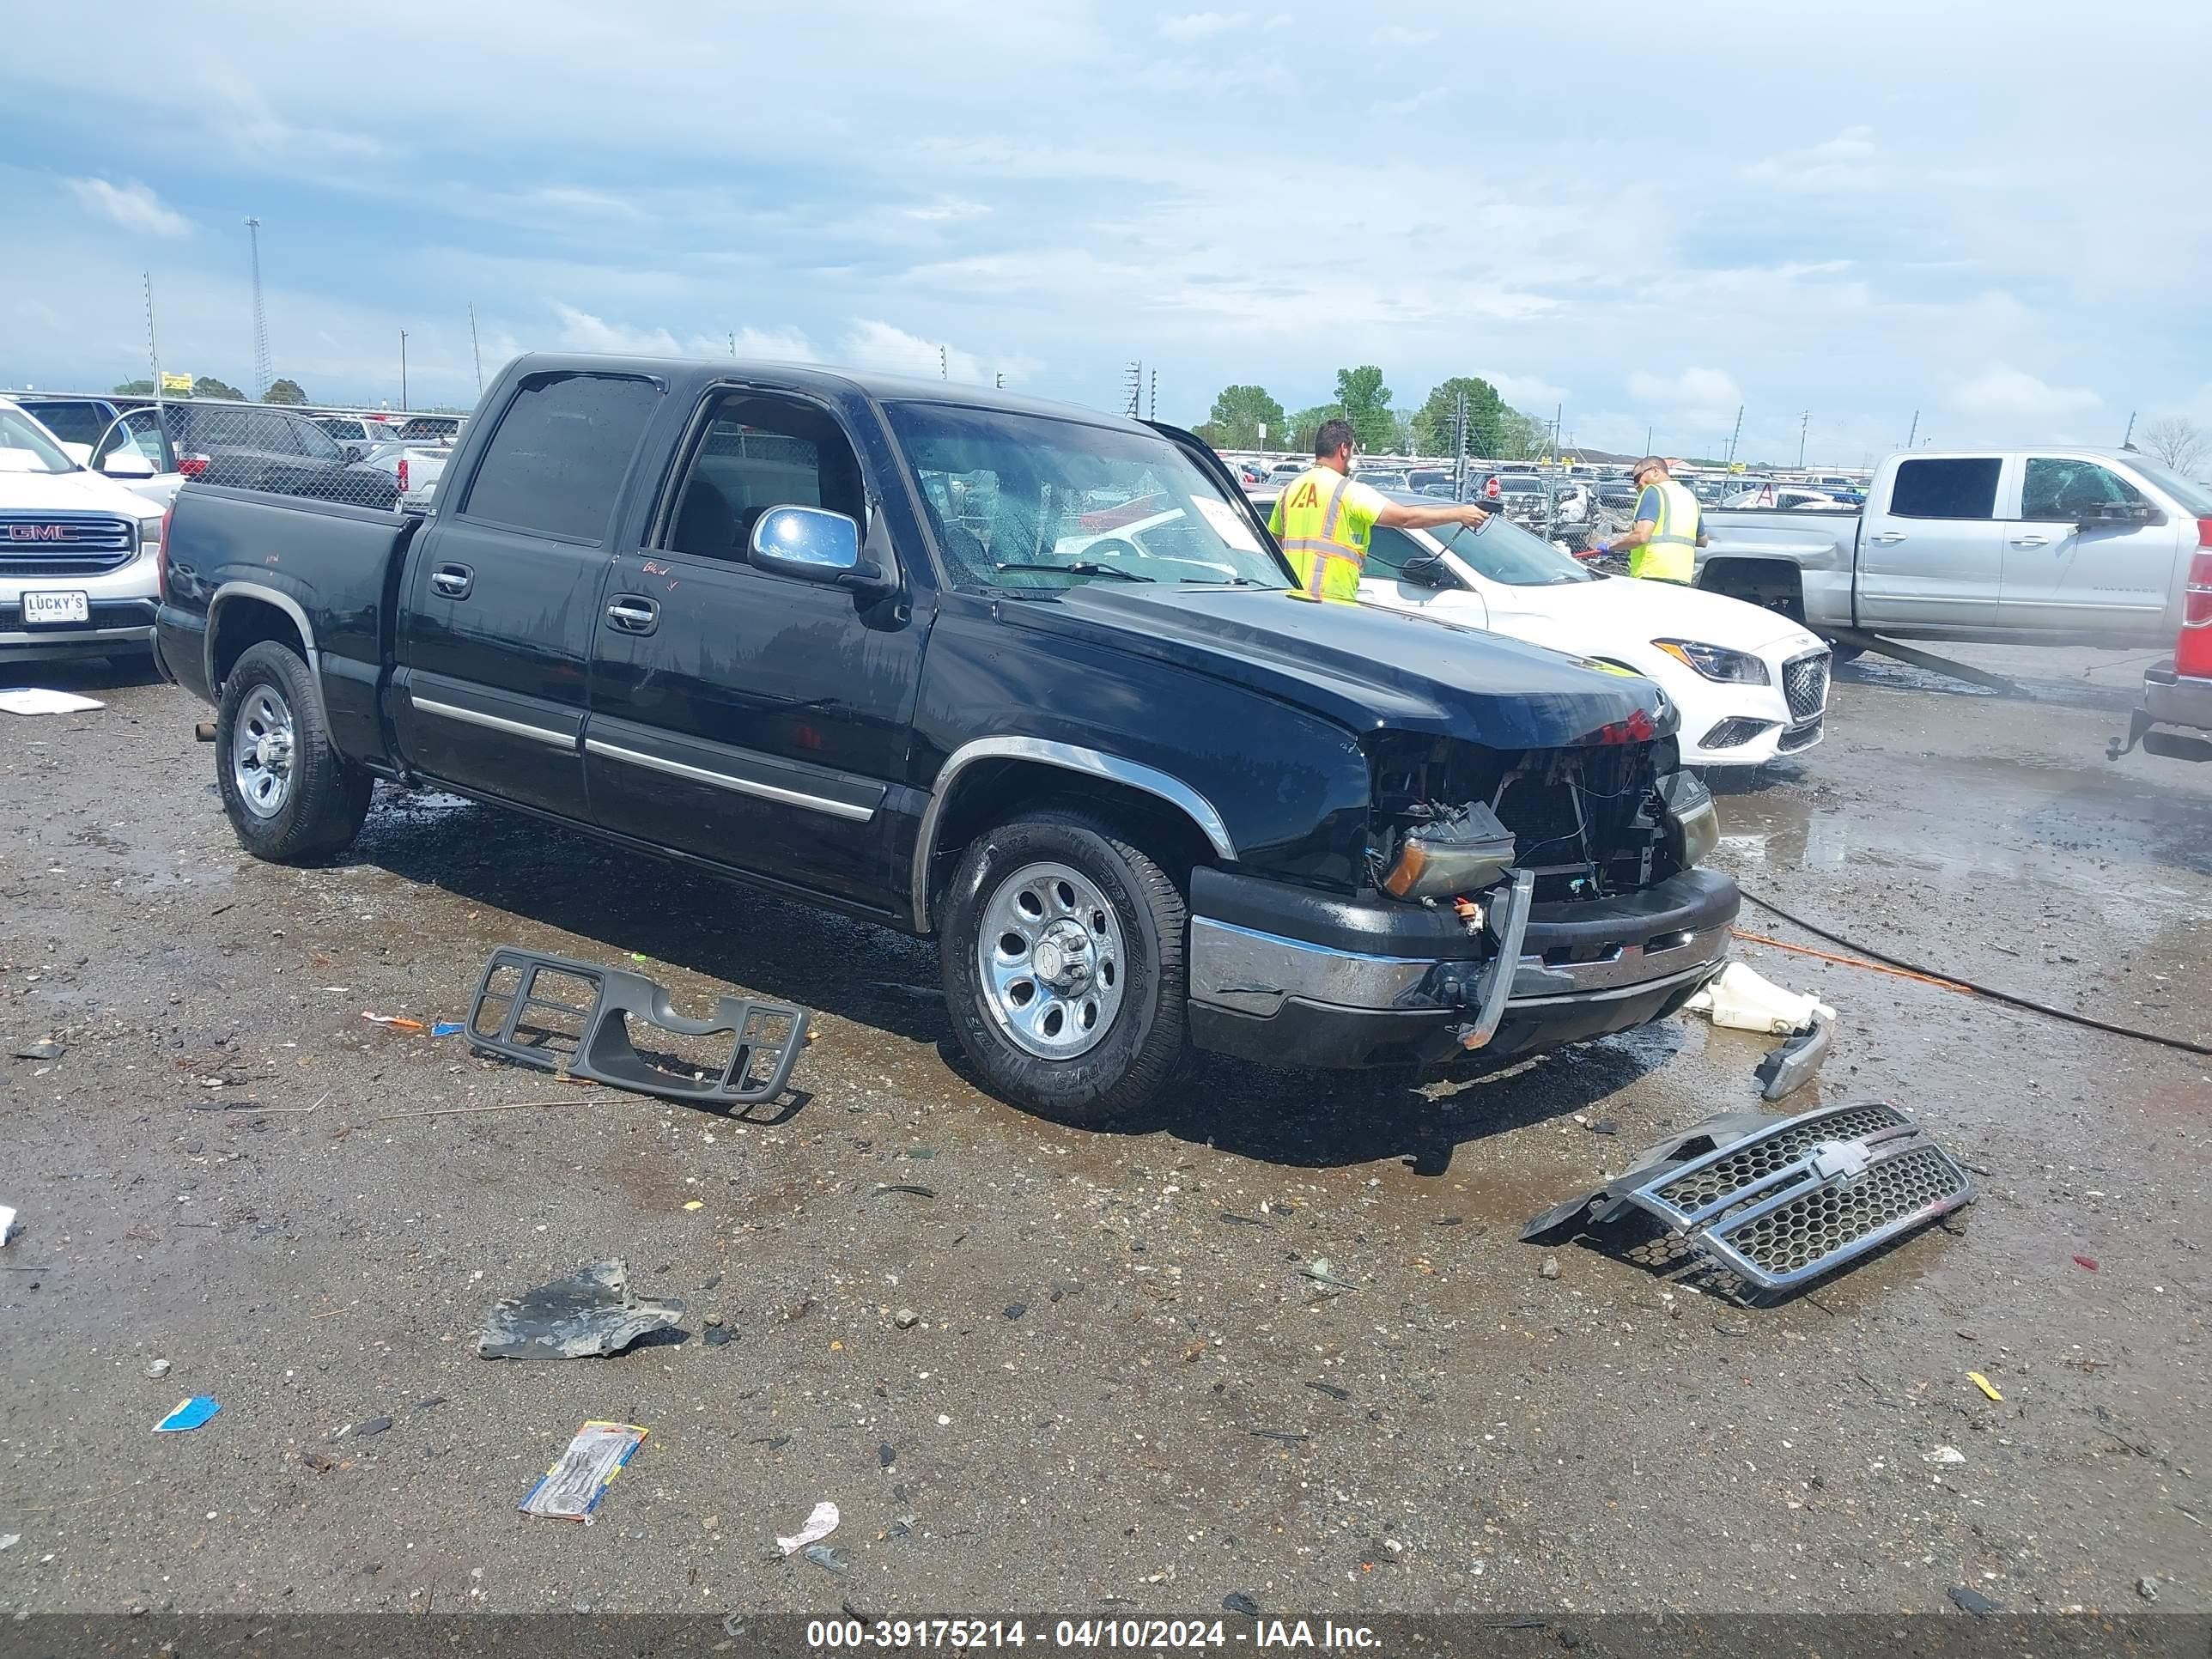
{"x":188,"y":1413}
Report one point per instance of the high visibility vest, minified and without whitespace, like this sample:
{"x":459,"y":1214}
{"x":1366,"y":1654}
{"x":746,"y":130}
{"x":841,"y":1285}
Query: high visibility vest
{"x":1671,"y":555}
{"x":1321,"y":549}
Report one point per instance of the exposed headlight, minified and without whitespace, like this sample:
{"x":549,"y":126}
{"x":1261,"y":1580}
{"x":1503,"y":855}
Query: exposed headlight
{"x":1463,"y":852}
{"x":1717,"y":662}
{"x":1693,"y":822}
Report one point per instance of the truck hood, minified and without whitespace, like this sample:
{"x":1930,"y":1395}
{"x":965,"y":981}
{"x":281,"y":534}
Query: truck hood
{"x":69,"y":492}
{"x":1364,"y":668}
{"x":1602,"y":614}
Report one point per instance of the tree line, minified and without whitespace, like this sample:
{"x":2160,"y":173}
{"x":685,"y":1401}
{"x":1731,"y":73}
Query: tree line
{"x":280,"y":391}
{"x":1246,"y":418}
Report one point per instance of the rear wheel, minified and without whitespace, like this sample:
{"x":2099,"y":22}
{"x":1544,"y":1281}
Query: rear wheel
{"x":288,"y":794}
{"x":1062,"y":963}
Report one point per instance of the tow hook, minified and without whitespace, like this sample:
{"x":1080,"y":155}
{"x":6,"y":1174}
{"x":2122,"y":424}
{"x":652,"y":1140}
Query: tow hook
{"x":1507,"y":923}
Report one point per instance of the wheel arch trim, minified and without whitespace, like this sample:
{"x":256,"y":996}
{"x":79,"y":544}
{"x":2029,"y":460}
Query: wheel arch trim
{"x":283,"y":601}
{"x":1069,"y":757}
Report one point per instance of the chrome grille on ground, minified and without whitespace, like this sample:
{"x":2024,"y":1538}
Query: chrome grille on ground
{"x":1814,"y":1229}
{"x":1805,"y":685}
{"x":65,"y":543}
{"x":1739,"y":1166}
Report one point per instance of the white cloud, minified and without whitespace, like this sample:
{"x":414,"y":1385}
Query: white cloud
{"x":1702,"y":396}
{"x":1200,"y":25}
{"x":2013,"y":398}
{"x":1844,"y":162}
{"x":1528,"y":392}
{"x":872,"y":344}
{"x":945,"y":210}
{"x":580,"y":331}
{"x":133,"y":206}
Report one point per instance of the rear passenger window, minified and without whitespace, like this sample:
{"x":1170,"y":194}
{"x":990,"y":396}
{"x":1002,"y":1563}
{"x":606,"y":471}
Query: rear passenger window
{"x":1946,"y":488}
{"x":559,"y":453}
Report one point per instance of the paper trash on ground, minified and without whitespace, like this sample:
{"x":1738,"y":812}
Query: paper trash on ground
{"x":188,"y":1413}
{"x":819,"y":1525}
{"x":35,"y":700}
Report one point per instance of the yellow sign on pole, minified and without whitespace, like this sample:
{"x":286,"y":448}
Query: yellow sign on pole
{"x":176,"y":383}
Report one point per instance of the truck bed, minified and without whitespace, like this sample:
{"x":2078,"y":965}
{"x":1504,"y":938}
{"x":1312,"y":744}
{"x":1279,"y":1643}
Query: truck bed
{"x":332,"y":567}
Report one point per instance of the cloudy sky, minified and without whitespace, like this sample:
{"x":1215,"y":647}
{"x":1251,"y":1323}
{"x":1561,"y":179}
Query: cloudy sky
{"x":1998,"y":216}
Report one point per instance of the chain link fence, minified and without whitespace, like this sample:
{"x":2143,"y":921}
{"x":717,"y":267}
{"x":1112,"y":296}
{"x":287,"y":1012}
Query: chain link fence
{"x":387,"y":462}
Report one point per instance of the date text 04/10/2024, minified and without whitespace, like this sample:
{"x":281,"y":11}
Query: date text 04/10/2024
{"x":1144,"y":1634}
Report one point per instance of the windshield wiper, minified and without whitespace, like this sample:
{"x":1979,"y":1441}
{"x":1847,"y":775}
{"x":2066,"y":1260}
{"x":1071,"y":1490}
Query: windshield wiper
{"x":1082,"y":568}
{"x":1216,"y":581}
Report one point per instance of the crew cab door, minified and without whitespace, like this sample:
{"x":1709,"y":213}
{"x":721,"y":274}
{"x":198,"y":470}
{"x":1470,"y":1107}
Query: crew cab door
{"x":1931,"y":549}
{"x":2087,"y":554}
{"x":499,"y":605}
{"x":1434,"y":588}
{"x":757,"y":720}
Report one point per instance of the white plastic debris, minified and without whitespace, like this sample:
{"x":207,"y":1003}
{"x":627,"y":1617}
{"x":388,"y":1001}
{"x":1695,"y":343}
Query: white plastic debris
{"x":37,"y":699}
{"x":1747,"y":1001}
{"x":819,"y":1525}
{"x":7,"y":1223}
{"x":1943,"y":1455}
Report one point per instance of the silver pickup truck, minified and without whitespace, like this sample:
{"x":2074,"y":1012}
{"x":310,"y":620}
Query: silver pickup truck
{"x":2057,"y":546}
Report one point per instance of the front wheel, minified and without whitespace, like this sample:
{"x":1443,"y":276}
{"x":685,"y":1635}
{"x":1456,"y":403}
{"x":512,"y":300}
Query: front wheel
{"x":1063,"y":965}
{"x":288,"y":794}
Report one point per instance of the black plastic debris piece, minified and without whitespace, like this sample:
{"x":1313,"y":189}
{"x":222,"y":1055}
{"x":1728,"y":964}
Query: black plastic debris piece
{"x":44,"y":1049}
{"x":576,"y":1017}
{"x":1237,"y":1602}
{"x":432,"y":1402}
{"x":592,"y":1313}
{"x":886,"y":1455}
{"x":374,"y":1425}
{"x":1288,"y":1435}
{"x":827,"y":1560}
{"x":1791,"y":1066}
{"x":1016,"y":1309}
{"x":1242,"y":1220}
{"x":915,"y":1187}
{"x":717,"y":1335}
{"x":1331,"y":1390}
{"x":1974,"y":1601}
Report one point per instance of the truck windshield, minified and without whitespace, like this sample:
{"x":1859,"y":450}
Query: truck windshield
{"x":1505,"y":553}
{"x":2192,"y":498}
{"x":1031,"y":504}
{"x":25,"y":446}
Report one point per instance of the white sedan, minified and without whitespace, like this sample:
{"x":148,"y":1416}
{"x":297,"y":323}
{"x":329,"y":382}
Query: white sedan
{"x":1751,"y":683}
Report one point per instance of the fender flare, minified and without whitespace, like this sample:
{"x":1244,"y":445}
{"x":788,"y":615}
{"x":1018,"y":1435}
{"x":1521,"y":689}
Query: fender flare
{"x":284,"y":602}
{"x":1070,"y":757}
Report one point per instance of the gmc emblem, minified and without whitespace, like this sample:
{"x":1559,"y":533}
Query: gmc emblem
{"x":37,"y":532}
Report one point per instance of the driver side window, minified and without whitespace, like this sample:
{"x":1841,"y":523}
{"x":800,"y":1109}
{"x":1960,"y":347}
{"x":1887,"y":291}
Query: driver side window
{"x":2065,"y":492}
{"x":758,"y":453}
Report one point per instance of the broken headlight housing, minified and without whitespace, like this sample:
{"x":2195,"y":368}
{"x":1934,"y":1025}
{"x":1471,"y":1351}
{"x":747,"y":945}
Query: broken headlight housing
{"x":1461,"y":851}
{"x":1693,"y":822}
{"x":1717,"y":662}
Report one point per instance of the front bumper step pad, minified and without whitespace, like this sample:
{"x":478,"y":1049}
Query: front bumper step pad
{"x":576,"y":1018}
{"x":1779,"y":1202}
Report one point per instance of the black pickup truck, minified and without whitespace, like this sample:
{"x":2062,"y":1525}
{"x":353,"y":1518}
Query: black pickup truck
{"x":1021,"y":675}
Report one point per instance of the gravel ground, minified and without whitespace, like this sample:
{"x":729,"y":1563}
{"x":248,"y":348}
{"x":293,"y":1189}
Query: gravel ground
{"x":1119,"y":1390}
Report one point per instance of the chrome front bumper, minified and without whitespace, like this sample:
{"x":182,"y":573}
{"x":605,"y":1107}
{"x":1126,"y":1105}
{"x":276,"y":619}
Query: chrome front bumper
{"x":1581,"y":970}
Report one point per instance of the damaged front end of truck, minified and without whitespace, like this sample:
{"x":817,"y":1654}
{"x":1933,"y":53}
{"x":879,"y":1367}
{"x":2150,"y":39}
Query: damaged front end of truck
{"x":1513,"y":901}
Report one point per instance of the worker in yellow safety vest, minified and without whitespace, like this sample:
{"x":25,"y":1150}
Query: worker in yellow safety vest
{"x":1323,"y":520}
{"x":1662,"y":543}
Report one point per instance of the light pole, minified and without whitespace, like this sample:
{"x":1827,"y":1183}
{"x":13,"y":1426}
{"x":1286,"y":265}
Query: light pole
{"x":403,"y":368}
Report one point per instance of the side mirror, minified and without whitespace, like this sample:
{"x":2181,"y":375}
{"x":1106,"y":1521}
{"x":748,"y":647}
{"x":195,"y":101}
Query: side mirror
{"x":815,"y":545}
{"x":351,"y":452}
{"x":126,"y":463}
{"x":1429,"y":572}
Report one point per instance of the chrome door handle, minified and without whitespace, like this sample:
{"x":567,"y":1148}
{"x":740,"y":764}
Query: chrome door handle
{"x":2030,"y":541}
{"x":1887,"y":537}
{"x":452,"y":582}
{"x":633,"y":613}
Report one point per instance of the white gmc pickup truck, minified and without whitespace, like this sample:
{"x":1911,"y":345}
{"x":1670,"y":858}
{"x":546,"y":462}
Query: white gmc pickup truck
{"x":2057,"y":545}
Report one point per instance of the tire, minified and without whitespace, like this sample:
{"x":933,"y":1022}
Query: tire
{"x":1122,"y":963}
{"x":1840,"y":654}
{"x":290,"y":797}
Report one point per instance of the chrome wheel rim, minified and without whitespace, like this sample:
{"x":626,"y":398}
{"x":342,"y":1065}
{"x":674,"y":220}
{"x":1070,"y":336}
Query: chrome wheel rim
{"x":261,"y":751}
{"x":1051,"y":960}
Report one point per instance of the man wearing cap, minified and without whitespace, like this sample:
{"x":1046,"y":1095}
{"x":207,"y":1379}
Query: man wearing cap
{"x":1662,"y":543}
{"x":1323,"y":520}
